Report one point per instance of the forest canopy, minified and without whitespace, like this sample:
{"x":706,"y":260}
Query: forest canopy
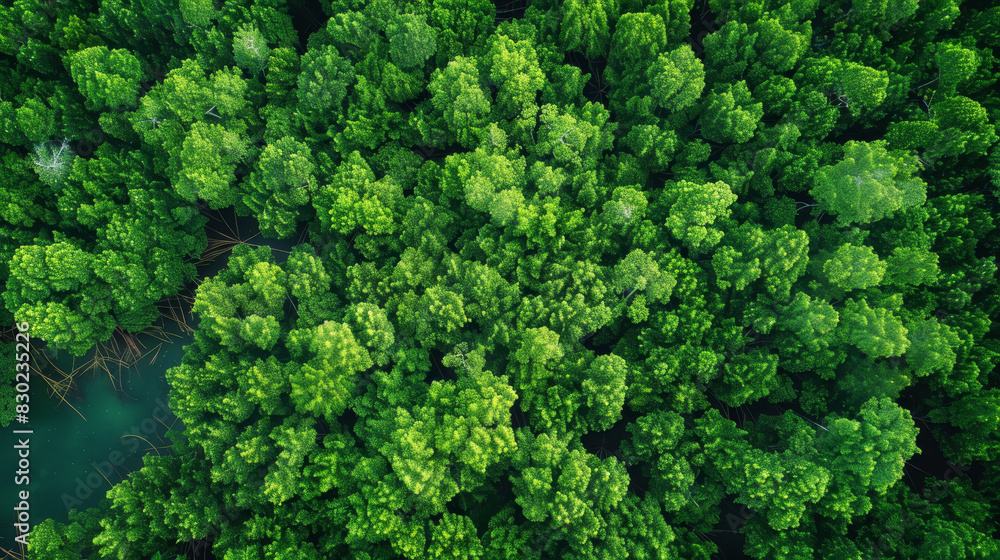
{"x":572,"y":279}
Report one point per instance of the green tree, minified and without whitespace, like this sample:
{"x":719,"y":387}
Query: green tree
{"x":514,"y":70}
{"x":638,"y":38}
{"x":279,"y":186}
{"x":434,"y":318}
{"x":106,"y":78}
{"x":355,"y":198}
{"x":538,"y":354}
{"x":373,"y":329}
{"x":658,"y":438}
{"x":871,"y":451}
{"x":693,"y":210}
{"x":282,"y":77}
{"x":728,"y":52}
{"x":964,"y":127}
{"x":265,"y":383}
{"x":869,"y":184}
{"x":463,"y":428}
{"x":7,"y":400}
{"x":730,"y":115}
{"x":884,"y":13}
{"x":776,"y":48}
{"x":240,"y":308}
{"x":877,"y":332}
{"x":322,"y":84}
{"x":70,"y":541}
{"x":462,"y":25}
{"x":296,"y":439}
{"x":454,"y":536}
{"x":857,"y":87}
{"x":605,"y":391}
{"x":574,"y":139}
{"x":572,"y":300}
{"x":411,"y":41}
{"x":678,"y":78}
{"x":250,"y":49}
{"x":208,"y":160}
{"x":565,"y":487}
{"x":138,"y":517}
{"x":41,"y":290}
{"x":976,"y":415}
{"x":586,"y":26}
{"x":812,"y":324}
{"x":675,"y":14}
{"x":639,"y":271}
{"x":779,"y":486}
{"x":955,"y":65}
{"x":331,"y":359}
{"x":36,"y":120}
{"x":747,"y":378}
{"x":776,"y":94}
{"x":187,"y":95}
{"x":457,"y":95}
{"x":197,"y":12}
{"x":488,"y":183}
{"x":911,"y":266}
{"x":851,"y":268}
{"x":750,"y":253}
{"x":53,"y":162}
{"x":931,"y":346}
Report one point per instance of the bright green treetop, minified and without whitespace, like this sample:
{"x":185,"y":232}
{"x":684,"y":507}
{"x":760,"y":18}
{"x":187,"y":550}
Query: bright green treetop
{"x":869,"y":184}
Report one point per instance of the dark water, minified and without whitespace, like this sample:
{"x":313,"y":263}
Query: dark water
{"x":108,"y":421}
{"x":82,"y":444}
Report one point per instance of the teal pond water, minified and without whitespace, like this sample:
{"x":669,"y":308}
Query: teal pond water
{"x":80,"y":446}
{"x":78,"y":451}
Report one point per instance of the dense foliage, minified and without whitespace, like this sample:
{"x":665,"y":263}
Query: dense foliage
{"x":576,"y":281}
